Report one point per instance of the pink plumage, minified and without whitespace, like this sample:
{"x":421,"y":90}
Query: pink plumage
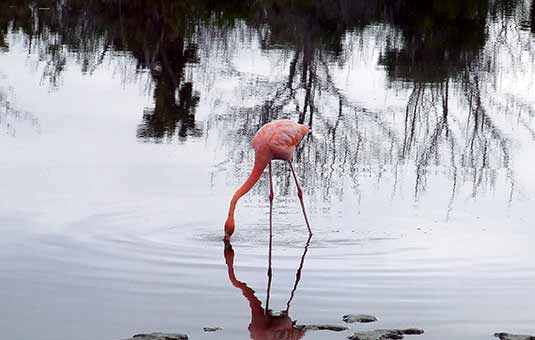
{"x":279,"y":139}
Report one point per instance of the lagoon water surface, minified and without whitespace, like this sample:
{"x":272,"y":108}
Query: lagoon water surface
{"x":125,"y":127}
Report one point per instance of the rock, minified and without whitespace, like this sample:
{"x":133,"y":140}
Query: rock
{"x":362,"y":318}
{"x":383,"y":334}
{"x":412,"y":331}
{"x":378,"y":334}
{"x":159,"y":336}
{"x":333,"y":328}
{"x":212,"y":329}
{"x":507,"y":336}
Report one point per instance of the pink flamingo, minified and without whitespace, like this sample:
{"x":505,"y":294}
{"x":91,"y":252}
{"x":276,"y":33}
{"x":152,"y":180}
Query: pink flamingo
{"x":275,"y":140}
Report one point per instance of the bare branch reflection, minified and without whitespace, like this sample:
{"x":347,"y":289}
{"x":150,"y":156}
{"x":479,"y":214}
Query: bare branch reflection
{"x":448,"y":124}
{"x":14,"y":121}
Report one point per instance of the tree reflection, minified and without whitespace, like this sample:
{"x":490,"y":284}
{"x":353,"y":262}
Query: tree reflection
{"x":13,"y":121}
{"x":439,"y":39}
{"x":435,"y":53}
{"x":157,"y":34}
{"x":3,"y":28}
{"x":165,"y":50}
{"x":442,"y":55}
{"x":532,"y":16}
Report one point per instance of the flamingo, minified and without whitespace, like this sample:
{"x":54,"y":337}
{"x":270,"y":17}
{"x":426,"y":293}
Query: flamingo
{"x":277,"y":139}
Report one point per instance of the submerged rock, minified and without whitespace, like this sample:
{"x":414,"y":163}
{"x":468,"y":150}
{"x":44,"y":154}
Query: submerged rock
{"x":362,"y":318}
{"x":507,"y":336}
{"x":334,"y":328}
{"x":212,"y":329}
{"x":383,"y":334}
{"x":159,"y":336}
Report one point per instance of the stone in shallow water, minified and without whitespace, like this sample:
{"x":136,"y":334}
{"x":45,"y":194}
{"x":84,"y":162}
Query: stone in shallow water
{"x":362,"y":318}
{"x":334,"y":328}
{"x":412,"y":331}
{"x":507,"y":336}
{"x":159,"y":336}
{"x":212,"y":329}
{"x":384,"y":334}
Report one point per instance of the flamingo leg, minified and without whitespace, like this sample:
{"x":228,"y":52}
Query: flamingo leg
{"x":300,"y":195}
{"x":270,"y":276}
{"x":269,"y":273}
{"x":271,"y":195}
{"x":298,"y":274}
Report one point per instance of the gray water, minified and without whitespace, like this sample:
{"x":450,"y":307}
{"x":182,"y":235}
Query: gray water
{"x":126,"y":128}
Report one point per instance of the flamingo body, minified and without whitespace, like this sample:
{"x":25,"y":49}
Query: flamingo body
{"x":278,"y":139}
{"x":275,"y":140}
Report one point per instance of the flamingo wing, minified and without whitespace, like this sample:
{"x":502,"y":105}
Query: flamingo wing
{"x":281,"y":137}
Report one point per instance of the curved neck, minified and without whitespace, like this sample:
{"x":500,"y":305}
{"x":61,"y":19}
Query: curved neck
{"x":259,"y":166}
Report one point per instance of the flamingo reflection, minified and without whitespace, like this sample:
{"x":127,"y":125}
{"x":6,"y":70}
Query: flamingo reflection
{"x":265,"y":325}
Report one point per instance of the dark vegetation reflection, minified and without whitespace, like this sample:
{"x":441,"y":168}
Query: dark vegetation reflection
{"x":433,"y":49}
{"x":265,"y":324}
{"x":533,"y":17}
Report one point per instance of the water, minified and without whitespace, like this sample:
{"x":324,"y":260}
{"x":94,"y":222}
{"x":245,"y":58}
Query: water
{"x":126,"y":127}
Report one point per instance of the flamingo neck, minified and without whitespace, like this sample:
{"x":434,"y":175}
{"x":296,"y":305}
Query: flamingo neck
{"x":258,"y":168}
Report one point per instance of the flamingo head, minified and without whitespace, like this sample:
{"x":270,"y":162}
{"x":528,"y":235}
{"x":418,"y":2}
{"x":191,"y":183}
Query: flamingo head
{"x":229,"y":228}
